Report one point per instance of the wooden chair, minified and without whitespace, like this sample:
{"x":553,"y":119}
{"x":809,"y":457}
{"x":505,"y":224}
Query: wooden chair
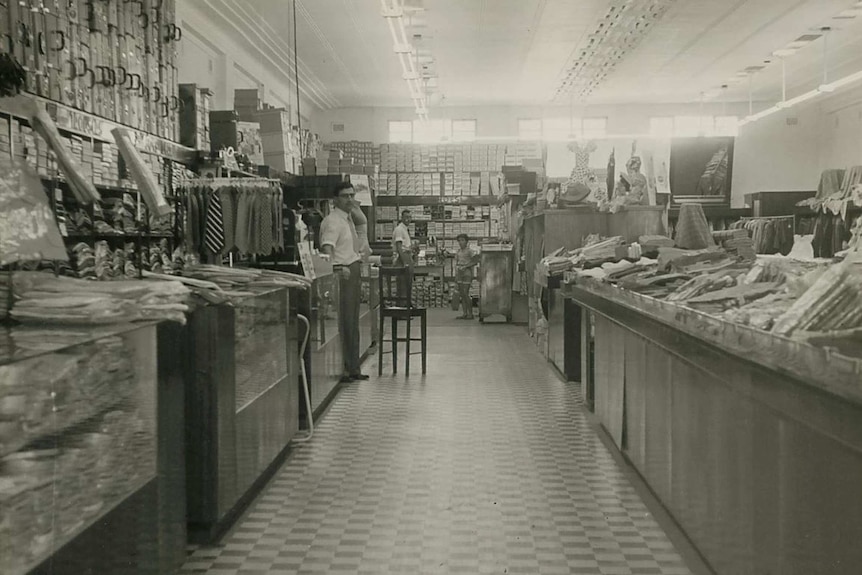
{"x":396,"y":303}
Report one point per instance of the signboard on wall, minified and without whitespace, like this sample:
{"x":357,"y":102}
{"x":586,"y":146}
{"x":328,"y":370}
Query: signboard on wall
{"x":362,"y":189}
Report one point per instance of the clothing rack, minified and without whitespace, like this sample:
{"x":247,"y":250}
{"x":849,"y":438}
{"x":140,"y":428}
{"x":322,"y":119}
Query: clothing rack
{"x":224,"y":217}
{"x":769,"y":234}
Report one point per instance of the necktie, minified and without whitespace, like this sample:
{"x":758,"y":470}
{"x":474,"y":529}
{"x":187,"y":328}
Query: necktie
{"x":241,"y":236}
{"x":265,"y":239}
{"x":228,"y":206}
{"x":214,"y":230}
{"x":353,"y":234}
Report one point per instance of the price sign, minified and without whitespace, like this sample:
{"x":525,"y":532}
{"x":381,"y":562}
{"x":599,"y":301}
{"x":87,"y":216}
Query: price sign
{"x":28,"y":230}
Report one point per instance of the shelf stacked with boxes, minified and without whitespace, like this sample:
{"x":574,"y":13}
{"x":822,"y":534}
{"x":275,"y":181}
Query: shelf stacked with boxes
{"x":262,"y":136}
{"x":115,"y":238}
{"x":332,"y":161}
{"x":364,"y":153}
{"x":449,"y":189}
{"x":105,"y":58}
{"x":195,"y":116}
{"x":228,"y":130}
{"x":280,"y":143}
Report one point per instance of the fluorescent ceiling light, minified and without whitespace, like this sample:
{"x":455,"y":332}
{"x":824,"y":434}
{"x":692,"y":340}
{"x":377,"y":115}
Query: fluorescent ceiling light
{"x":845,"y":81}
{"x":810,"y":95}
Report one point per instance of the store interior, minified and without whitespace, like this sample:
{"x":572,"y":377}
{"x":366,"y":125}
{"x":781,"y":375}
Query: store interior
{"x":652,"y":209}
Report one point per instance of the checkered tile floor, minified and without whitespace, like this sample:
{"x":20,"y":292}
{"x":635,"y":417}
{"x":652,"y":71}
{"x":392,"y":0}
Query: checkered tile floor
{"x":486,"y":465}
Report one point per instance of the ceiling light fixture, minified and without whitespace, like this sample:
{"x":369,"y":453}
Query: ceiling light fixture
{"x":811,"y":94}
{"x":620,"y":31}
{"x":393,"y":12}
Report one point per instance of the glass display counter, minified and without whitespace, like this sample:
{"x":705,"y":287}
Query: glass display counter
{"x":78,"y":434}
{"x":242,"y":404}
{"x":325,"y":344}
{"x":323,"y":358}
{"x":260,"y":341}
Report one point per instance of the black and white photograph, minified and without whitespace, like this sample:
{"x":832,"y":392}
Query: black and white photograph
{"x":430,"y":287}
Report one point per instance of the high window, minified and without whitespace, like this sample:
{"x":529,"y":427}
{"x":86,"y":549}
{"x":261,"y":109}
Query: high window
{"x":400,"y":132}
{"x":529,"y":129}
{"x":463,"y":130}
{"x":693,"y":126}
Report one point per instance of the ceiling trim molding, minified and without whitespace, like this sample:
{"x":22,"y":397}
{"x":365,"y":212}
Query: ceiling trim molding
{"x":265,"y":51}
{"x":312,"y":25}
{"x":350,"y":9}
{"x":288,"y":55}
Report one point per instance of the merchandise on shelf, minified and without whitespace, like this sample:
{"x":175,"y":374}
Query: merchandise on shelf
{"x":242,"y":215}
{"x":195,"y":116}
{"x":124,"y":65}
{"x":773,"y":293}
{"x":77,"y":433}
{"x":42,"y":298}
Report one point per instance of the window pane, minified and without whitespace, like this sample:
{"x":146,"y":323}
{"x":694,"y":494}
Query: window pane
{"x":692,"y":125}
{"x":431,"y":131}
{"x":400,"y":132}
{"x":530,"y":129}
{"x":726,"y":125}
{"x":560,"y":129}
{"x":661,"y":126}
{"x":463,"y":130}
{"x":595,"y":127}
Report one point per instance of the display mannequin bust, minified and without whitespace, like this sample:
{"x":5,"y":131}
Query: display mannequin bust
{"x":582,"y":179}
{"x":632,"y":187}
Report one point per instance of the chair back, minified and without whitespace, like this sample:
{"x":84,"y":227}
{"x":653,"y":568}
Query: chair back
{"x":396,"y":287}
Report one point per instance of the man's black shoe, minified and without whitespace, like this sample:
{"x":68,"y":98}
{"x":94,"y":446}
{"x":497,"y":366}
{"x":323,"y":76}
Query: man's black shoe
{"x":359,"y":377}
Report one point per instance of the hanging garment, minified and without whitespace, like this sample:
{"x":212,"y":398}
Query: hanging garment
{"x":241,"y":235}
{"x":214,"y":229}
{"x":266,"y":241}
{"x":228,"y":204}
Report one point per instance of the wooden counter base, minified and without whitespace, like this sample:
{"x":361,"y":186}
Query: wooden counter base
{"x":763,"y":471}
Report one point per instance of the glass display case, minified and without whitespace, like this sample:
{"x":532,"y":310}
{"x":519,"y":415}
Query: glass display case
{"x":324,"y":294}
{"x":261,"y":341}
{"x":77,"y":432}
{"x":241,"y":404}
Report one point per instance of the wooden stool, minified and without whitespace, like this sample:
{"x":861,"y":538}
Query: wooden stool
{"x":396,"y":303}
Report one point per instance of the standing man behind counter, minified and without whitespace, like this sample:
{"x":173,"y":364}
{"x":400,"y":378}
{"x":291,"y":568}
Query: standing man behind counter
{"x":340,"y":241}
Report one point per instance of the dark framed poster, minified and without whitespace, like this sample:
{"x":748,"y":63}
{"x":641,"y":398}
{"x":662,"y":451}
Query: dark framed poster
{"x":701,"y":170}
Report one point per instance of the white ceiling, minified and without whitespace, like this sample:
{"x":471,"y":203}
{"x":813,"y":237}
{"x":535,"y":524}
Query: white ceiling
{"x":490,"y":52}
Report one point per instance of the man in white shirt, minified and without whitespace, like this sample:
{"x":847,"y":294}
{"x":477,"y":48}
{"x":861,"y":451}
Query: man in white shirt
{"x":338,"y":239}
{"x":402,"y":251}
{"x":402,"y":244}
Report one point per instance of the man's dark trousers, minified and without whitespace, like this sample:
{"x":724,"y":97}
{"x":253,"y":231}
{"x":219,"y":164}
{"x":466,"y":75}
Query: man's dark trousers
{"x":348,"y":319}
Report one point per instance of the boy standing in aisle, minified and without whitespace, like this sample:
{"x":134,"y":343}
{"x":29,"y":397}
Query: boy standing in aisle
{"x":339,"y":240}
{"x":465,"y":260}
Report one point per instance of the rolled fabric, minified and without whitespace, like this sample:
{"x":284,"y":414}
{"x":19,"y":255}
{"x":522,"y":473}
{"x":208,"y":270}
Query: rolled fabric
{"x":84,"y":190}
{"x":692,"y":231}
{"x":147,"y":185}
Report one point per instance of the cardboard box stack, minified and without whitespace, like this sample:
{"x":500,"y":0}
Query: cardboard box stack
{"x":195,"y":116}
{"x":328,"y":162}
{"x":246,"y":102}
{"x":430,"y":291}
{"x":280,"y":143}
{"x":363,"y":153}
{"x":228,"y":131}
